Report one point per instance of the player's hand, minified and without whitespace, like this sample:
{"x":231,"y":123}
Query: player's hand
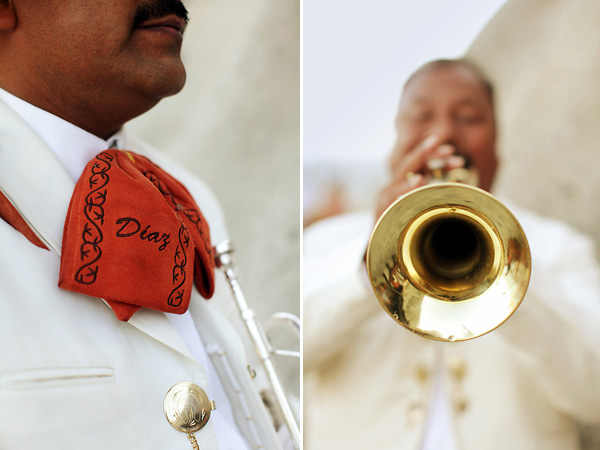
{"x":412,"y":169}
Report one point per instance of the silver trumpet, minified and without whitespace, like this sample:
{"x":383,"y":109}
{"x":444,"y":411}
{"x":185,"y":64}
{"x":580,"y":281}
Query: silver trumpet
{"x":223,"y":259}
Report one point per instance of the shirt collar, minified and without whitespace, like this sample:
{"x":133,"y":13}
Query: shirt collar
{"x":73,"y":146}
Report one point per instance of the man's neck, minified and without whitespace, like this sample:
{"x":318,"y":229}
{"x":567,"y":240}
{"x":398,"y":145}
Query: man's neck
{"x":79,"y":110}
{"x":72,"y":145}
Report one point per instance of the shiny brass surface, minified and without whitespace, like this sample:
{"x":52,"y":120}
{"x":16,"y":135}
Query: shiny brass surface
{"x":187,"y":407}
{"x":449,"y":262}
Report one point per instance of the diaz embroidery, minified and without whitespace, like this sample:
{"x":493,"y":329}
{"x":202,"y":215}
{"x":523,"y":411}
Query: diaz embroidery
{"x":192,"y":214}
{"x":131,"y":227}
{"x":90,"y":251}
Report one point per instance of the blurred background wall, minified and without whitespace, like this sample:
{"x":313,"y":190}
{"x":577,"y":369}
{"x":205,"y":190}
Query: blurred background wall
{"x":236,"y":124}
{"x":356,"y":57}
{"x":544,"y":59}
{"x":543,"y":56}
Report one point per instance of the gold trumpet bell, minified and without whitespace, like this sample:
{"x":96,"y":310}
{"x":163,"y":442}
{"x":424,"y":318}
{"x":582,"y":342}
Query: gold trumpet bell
{"x":449,"y":262}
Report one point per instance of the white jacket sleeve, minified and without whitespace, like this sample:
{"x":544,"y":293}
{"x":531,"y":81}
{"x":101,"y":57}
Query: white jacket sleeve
{"x":337,"y":297}
{"x":556,"y":330}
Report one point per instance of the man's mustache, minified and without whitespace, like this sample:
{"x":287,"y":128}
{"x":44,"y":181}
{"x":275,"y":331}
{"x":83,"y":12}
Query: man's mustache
{"x":157,"y":9}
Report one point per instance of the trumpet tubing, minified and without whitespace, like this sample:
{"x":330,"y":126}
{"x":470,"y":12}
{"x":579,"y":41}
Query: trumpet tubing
{"x":223,"y":260}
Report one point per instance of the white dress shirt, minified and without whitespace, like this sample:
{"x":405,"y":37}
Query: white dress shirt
{"x":439,"y":432}
{"x":74,"y":148}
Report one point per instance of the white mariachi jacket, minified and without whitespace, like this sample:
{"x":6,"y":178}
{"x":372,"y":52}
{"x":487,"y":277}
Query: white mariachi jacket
{"x":71,"y":374}
{"x":369,"y":383}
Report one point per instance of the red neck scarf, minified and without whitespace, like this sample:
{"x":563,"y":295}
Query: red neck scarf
{"x":135,"y":237}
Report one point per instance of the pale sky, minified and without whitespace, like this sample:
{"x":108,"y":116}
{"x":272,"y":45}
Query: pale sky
{"x":356,"y":56}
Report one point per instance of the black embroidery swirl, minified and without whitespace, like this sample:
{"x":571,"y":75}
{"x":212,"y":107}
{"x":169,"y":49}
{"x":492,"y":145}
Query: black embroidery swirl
{"x":192,"y":214}
{"x":90,"y":251}
{"x":180,"y":260}
{"x":194,"y":217}
{"x":161,"y":187}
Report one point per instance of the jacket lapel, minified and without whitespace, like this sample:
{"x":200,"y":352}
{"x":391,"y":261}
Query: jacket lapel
{"x":32,"y":178}
{"x":36,"y":183}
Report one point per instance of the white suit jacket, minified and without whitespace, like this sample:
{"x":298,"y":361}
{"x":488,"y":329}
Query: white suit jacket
{"x":71,"y":374}
{"x":368,"y":382}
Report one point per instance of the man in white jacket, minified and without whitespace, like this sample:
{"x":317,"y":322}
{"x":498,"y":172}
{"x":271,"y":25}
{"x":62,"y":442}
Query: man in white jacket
{"x":72,"y":73}
{"x":369,"y":383}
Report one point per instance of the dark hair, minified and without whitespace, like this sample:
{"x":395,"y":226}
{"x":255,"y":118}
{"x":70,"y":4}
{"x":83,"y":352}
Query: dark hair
{"x":442,"y":63}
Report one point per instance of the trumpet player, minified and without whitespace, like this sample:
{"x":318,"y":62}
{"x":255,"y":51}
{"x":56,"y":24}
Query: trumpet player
{"x":369,"y":383}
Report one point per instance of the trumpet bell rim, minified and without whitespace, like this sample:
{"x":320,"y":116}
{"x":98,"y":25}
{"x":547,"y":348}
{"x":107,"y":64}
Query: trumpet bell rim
{"x":478,"y":293}
{"x":435,"y":268}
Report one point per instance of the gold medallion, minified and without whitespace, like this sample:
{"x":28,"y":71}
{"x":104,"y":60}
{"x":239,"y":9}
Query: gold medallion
{"x":187,"y":407}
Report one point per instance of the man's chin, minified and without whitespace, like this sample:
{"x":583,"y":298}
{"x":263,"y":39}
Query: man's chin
{"x":174,"y":88}
{"x":167,"y":84}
